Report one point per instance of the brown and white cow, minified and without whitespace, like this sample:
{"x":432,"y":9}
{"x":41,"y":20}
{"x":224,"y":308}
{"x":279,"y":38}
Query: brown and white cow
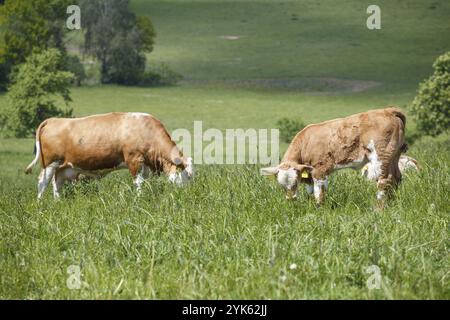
{"x":96,"y":145}
{"x":375,"y":137}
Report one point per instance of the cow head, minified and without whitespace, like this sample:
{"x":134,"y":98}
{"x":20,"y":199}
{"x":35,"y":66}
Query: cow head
{"x":289,"y":175}
{"x":182,"y":170}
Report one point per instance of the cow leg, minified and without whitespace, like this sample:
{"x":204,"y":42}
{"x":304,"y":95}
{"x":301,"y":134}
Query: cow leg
{"x":388,"y":181}
{"x":138,"y":171}
{"x":45,"y":177}
{"x":309,"y":189}
{"x":58,"y":182}
{"x":140,"y":177}
{"x":145,"y":171}
{"x":385,"y":186}
{"x":320,"y":186}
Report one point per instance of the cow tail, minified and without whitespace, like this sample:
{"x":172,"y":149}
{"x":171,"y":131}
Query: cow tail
{"x":399,"y":114}
{"x":396,"y":112}
{"x":37,"y":148}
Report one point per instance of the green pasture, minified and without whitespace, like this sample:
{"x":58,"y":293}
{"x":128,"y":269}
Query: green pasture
{"x":231,"y":234}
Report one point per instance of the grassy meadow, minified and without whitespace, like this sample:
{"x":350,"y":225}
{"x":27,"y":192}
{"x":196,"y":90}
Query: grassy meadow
{"x":231,"y":234}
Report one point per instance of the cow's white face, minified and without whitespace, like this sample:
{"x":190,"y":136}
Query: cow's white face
{"x":288,"y":176}
{"x":288,"y":179}
{"x":184,"y":176}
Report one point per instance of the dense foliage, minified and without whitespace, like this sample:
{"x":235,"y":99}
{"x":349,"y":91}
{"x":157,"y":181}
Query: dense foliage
{"x":31,"y":97}
{"x":27,"y":26}
{"x":118,"y":39}
{"x":431,"y":107}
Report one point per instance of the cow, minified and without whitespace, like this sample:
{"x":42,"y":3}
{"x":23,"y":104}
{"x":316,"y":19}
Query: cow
{"x":405,"y":163}
{"x":93,"y":146}
{"x":376,"y":137}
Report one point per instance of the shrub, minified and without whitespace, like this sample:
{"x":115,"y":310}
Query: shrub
{"x":29,"y":25}
{"x":31,"y":96}
{"x":160,"y":75}
{"x":431,"y":107}
{"x":289,"y":128}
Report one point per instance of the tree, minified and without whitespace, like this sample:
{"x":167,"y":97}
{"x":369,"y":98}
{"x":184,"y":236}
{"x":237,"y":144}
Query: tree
{"x":117,"y":38}
{"x":31,"y":97}
{"x":30,"y":25}
{"x":127,"y":59}
{"x":74,"y":65}
{"x":431,"y":106}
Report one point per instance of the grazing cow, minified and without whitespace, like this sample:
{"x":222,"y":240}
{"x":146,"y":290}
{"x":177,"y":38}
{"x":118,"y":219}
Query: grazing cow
{"x":375,"y":136}
{"x":96,"y":145}
{"x":405,"y":163}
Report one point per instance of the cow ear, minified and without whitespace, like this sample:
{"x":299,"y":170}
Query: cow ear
{"x":270,"y":171}
{"x":304,"y":170}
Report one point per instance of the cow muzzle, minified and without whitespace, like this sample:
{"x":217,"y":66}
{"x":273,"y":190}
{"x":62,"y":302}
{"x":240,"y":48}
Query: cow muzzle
{"x":181,"y":177}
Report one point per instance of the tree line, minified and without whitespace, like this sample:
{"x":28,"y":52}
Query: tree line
{"x":35,"y":65}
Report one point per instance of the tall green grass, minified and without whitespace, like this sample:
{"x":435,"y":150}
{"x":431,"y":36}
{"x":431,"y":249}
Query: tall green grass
{"x":230,"y":234}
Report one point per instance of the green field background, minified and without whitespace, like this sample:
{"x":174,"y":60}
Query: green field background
{"x":231,"y":234}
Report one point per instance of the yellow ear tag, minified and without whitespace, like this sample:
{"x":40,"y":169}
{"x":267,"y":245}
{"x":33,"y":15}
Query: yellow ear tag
{"x":305,"y":174}
{"x":365,"y":168}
